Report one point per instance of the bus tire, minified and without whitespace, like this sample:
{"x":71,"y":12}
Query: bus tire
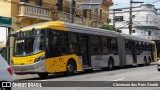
{"x":158,"y":69}
{"x":70,"y":68}
{"x":145,"y":61}
{"x":149,"y":60}
{"x":43,"y":75}
{"x":110,"y":64}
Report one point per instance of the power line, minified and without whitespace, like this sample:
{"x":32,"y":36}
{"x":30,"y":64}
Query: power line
{"x":123,"y":26}
{"x":145,"y":8}
{"x":122,"y":3}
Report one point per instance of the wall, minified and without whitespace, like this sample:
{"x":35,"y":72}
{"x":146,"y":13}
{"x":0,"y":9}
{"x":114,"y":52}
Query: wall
{"x":5,"y":8}
{"x":146,"y":19}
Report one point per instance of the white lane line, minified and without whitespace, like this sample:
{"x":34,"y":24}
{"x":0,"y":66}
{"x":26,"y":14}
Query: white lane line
{"x":42,"y":80}
{"x":119,"y":79}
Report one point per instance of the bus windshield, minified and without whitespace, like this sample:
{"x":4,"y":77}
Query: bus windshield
{"x":28,"y":46}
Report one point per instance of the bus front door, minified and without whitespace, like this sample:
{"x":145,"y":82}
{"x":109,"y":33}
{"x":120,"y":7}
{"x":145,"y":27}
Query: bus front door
{"x":85,"y":51}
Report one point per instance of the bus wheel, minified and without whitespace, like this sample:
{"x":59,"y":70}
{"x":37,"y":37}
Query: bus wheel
{"x":145,"y":61}
{"x":70,"y":68}
{"x":149,"y":61}
{"x":43,"y":75}
{"x":110,"y":64}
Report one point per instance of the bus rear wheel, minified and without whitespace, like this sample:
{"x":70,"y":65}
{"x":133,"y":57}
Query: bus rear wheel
{"x":149,"y":61}
{"x":43,"y":75}
{"x":110,"y":64}
{"x":70,"y":68}
{"x":145,"y":61}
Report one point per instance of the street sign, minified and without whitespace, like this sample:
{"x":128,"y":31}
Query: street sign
{"x":5,"y":21}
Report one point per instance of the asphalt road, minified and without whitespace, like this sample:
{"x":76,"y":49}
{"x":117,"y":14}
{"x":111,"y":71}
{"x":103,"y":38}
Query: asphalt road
{"x":143,"y":73}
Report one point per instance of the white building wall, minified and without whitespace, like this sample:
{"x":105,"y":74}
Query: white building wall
{"x":146,"y":16}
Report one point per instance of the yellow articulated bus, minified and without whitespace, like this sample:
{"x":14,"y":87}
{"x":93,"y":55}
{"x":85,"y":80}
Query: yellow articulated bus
{"x":56,"y":46}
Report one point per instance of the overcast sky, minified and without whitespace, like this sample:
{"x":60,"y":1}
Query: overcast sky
{"x":125,"y":3}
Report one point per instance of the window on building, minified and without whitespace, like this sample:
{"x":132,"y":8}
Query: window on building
{"x":38,"y":2}
{"x":149,"y":33}
{"x":119,"y":18}
{"x":109,"y":21}
{"x":100,"y":14}
{"x":148,"y":18}
{"x":85,"y":13}
{"x":133,"y":31}
{"x":120,"y":31}
{"x":26,"y":1}
{"x":59,"y":5}
{"x":90,"y":14}
{"x":95,"y":13}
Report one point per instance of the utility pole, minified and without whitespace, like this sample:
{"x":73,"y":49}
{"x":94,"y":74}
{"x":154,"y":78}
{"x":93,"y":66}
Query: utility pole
{"x":130,"y":15}
{"x":72,"y":7}
{"x":114,"y":19}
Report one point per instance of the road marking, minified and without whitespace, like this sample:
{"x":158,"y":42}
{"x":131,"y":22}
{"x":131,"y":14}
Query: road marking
{"x":118,"y":79}
{"x":42,"y":80}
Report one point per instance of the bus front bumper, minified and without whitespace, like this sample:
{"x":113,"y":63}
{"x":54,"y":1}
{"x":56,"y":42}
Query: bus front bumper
{"x":38,"y":67}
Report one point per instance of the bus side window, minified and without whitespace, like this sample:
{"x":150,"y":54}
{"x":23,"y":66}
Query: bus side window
{"x":95,"y":49}
{"x":54,"y":44}
{"x":64,"y":43}
{"x":104,"y":45}
{"x":114,"y":45}
{"x":127,"y":47}
{"x":73,"y":43}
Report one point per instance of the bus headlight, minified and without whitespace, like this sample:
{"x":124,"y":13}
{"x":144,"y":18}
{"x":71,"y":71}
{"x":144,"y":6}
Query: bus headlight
{"x":39,"y":59}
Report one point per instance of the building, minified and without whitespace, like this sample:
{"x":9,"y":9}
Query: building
{"x":28,"y":12}
{"x":145,"y":21}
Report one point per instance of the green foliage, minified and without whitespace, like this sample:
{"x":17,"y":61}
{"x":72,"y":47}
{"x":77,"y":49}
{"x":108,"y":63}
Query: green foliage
{"x":108,"y":27}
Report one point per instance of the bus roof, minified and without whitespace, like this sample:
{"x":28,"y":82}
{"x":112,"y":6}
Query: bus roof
{"x":90,"y":30}
{"x":136,"y":38}
{"x":57,"y":25}
{"x":64,"y":26}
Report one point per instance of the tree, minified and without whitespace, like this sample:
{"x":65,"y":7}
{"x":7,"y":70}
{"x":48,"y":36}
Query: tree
{"x":108,"y":27}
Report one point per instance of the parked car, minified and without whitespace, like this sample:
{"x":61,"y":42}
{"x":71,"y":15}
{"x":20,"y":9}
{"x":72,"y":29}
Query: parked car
{"x":5,"y":72}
